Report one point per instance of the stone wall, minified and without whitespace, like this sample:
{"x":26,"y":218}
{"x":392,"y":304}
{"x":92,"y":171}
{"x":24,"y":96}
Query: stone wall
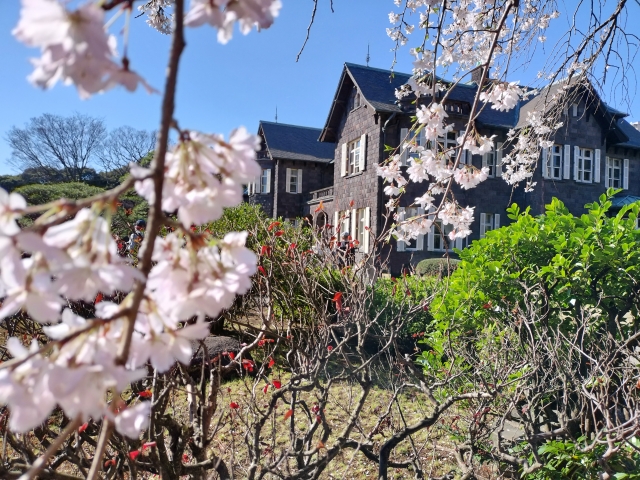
{"x":315,"y":175}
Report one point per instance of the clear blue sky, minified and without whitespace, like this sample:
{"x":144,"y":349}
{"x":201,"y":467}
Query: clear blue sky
{"x":220,"y":86}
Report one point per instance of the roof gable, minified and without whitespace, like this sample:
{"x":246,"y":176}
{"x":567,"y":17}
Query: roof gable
{"x":294,"y":142}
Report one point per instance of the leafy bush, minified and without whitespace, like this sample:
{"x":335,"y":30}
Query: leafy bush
{"x":38,"y":194}
{"x":410,"y":296}
{"x":437,"y":266}
{"x":546,"y":311}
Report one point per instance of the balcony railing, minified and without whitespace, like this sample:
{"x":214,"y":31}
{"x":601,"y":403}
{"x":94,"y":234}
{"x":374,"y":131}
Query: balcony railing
{"x":322,"y":194}
{"x":263,"y":155}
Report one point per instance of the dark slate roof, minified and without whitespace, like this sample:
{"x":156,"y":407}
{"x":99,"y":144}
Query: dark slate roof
{"x":619,"y":202}
{"x":293,"y":142}
{"x":630,"y":132}
{"x":378,"y":86}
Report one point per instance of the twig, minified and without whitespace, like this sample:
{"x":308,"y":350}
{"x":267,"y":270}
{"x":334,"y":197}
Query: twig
{"x":41,"y":462}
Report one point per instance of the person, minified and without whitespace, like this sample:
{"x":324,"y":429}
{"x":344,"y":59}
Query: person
{"x":346,"y":251}
{"x":135,"y":239}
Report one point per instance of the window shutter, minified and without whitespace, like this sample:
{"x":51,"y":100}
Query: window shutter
{"x":458,"y":243}
{"x":336,"y":220}
{"x":363,"y":151}
{"x":404,"y":154}
{"x":268,"y":181}
{"x":596,"y":166}
{"x":485,"y":161}
{"x":606,"y":172}
{"x":499,"y":159}
{"x":567,"y":162}
{"x":430,"y":234}
{"x":420,"y":239}
{"x":545,"y":163}
{"x":576,"y":154}
{"x":367,"y":229}
{"x":625,"y":174}
{"x":287,"y":187}
{"x":483,"y":221}
{"x":496,"y":221}
{"x":299,"y":181}
{"x":400,"y":244}
{"x":575,"y":109}
{"x":354,"y":225}
{"x":343,"y":162}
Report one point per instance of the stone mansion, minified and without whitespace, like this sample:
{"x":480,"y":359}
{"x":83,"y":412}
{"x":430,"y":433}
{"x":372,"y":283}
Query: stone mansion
{"x":301,"y":166}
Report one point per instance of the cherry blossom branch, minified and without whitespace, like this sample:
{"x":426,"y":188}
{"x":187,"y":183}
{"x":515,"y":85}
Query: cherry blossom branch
{"x":157,"y":168}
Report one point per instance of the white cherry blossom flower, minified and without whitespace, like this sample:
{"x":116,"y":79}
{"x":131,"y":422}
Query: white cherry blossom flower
{"x":10,"y":206}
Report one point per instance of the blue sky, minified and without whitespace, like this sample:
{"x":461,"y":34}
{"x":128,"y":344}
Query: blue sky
{"x":220,"y":86}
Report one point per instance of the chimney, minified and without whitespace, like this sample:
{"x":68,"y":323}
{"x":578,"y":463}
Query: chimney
{"x":476,"y":75}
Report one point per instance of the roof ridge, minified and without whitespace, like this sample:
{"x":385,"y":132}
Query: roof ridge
{"x":349,"y":64}
{"x":288,"y":125}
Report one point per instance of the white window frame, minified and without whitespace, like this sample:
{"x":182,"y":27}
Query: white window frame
{"x":581,"y":170}
{"x":441,"y":232}
{"x":265,"y":180}
{"x":488,"y":222}
{"x":293,"y":178}
{"x":419,"y":140}
{"x":552,"y":162}
{"x":354,"y":152}
{"x":493,"y":160}
{"x":610,"y":170}
{"x":418,"y":243}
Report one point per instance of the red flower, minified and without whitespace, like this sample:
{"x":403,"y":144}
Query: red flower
{"x":110,"y":462}
{"x":262,"y":270}
{"x":83,"y":427}
{"x":185,"y":457}
{"x":232,"y":355}
{"x":234,"y":405}
{"x":319,"y":208}
{"x":247,"y":365}
{"x":279,"y":233}
{"x":134,"y":454}
{"x":273,"y":225}
{"x":329,"y":348}
{"x":272,"y":362}
{"x":487,"y":305}
{"x":266,"y":387}
{"x":145,"y":394}
{"x":276,"y":383}
{"x":265,"y":250}
{"x":291,"y":248}
{"x":148,"y":445}
{"x":98,"y":299}
{"x":338,"y":299}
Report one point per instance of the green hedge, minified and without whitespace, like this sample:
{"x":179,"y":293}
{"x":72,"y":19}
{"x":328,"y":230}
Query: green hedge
{"x":437,"y":266}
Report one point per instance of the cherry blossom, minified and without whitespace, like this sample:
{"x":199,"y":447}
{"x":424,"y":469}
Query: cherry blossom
{"x":10,"y":206}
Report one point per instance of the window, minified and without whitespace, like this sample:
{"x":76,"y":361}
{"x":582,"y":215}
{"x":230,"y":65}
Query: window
{"x":354,"y":157}
{"x":265,"y":181}
{"x":584,"y":165}
{"x":553,"y":165}
{"x":614,"y":172}
{"x":360,"y":224}
{"x":409,"y":136}
{"x":355,"y":100}
{"x":294,"y":180}
{"x":488,"y":221}
{"x":441,"y":241}
{"x":415,"y":243}
{"x":492,"y":160}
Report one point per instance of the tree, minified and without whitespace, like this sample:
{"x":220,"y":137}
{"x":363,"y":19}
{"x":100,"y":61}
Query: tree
{"x":123,"y":146}
{"x":53,"y":143}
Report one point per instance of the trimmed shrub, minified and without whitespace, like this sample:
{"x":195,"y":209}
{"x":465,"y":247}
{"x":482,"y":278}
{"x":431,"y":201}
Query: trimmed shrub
{"x":437,"y":267}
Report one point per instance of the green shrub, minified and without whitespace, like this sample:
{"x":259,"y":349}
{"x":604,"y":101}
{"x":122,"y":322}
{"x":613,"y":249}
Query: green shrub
{"x":437,"y":266}
{"x":37,"y":194}
{"x":409,"y":296}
